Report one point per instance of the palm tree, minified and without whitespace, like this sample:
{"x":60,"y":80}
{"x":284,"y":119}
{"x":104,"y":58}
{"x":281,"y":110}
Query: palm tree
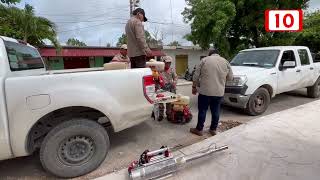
{"x":25,"y":25}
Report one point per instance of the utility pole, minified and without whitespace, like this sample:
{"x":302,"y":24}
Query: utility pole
{"x":133,"y":5}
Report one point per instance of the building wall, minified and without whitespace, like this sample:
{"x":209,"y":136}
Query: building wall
{"x":55,"y":63}
{"x":99,"y":61}
{"x":194,"y":56}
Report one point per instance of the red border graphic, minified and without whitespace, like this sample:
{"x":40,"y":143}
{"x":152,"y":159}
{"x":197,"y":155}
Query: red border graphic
{"x":266,"y":20}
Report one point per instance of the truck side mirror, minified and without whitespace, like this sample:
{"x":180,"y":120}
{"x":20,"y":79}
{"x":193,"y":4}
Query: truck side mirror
{"x":288,"y":65}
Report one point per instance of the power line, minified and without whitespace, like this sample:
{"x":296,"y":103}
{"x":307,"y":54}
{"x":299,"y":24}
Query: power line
{"x":98,"y":20}
{"x":107,"y":23}
{"x":94,"y":7}
{"x":167,"y":23}
{"x":171,"y":20}
{"x":90,"y":26}
{"x":87,"y":27}
{"x":111,"y":18}
{"x":76,"y":15}
{"x":116,"y":18}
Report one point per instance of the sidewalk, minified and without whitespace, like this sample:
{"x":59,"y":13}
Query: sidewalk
{"x":284,"y":145}
{"x":183,"y":82}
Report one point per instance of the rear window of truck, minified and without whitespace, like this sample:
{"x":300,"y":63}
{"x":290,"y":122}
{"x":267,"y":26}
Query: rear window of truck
{"x":22,"y":57}
{"x":316,"y":57}
{"x":304,"y":57}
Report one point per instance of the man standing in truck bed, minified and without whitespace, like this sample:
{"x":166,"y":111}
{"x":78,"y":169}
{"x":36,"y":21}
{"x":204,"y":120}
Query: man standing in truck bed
{"x":137,"y":45}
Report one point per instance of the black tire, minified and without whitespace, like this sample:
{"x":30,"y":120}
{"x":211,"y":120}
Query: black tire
{"x":314,"y":91}
{"x":74,"y":148}
{"x":258,"y":102}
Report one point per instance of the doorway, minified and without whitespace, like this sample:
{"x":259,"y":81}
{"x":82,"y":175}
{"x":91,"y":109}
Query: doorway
{"x":76,"y":62}
{"x":181,"y":64}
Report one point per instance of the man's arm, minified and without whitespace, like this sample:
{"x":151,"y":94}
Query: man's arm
{"x":197,"y":73}
{"x":230,"y":73}
{"x":175,"y":78}
{"x":115,"y":59}
{"x":140,"y":35}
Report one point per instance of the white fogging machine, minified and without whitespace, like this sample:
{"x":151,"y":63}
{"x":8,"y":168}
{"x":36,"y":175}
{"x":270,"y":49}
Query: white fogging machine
{"x":160,"y":163}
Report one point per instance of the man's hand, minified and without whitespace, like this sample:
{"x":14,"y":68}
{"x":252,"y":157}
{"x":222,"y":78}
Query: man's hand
{"x":174,"y":86}
{"x":149,"y":53}
{"x":194,"y":90}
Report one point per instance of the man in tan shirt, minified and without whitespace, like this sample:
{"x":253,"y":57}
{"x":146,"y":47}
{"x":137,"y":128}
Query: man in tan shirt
{"x":137,"y":45}
{"x":210,"y":80}
{"x":122,"y":55}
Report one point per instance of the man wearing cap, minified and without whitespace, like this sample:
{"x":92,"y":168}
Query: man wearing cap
{"x":170,"y":80}
{"x":169,"y":76}
{"x":122,"y":56}
{"x":210,"y":80}
{"x":137,"y":45}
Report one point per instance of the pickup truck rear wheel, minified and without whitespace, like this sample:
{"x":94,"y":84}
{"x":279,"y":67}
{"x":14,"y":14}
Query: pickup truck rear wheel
{"x":258,"y":102}
{"x":314,"y":91}
{"x":74,"y":148}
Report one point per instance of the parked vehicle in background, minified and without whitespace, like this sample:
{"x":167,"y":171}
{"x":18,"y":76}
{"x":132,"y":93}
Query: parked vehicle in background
{"x":262,"y":73}
{"x":59,"y":113}
{"x":189,"y":76}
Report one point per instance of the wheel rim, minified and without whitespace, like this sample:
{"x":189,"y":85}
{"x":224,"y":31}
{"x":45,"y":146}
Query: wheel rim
{"x":76,"y":150}
{"x":259,"y":103}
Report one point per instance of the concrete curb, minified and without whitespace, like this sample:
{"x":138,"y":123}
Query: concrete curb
{"x":184,"y":84}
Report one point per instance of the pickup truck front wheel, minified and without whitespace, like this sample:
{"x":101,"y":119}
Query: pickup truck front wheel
{"x":258,"y":102}
{"x":314,"y":91}
{"x":74,"y":148}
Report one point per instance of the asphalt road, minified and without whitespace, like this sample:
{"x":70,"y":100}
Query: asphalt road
{"x":127,"y":145}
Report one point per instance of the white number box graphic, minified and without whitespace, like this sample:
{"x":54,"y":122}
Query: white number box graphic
{"x":283,"y":20}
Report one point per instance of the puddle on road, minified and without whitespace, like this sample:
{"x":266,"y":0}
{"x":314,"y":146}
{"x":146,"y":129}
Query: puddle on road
{"x":226,"y":125}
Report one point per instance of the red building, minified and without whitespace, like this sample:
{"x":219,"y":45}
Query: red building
{"x":81,"y":57}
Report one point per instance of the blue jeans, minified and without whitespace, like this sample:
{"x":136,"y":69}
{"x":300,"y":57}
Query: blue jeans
{"x":203,"y":104}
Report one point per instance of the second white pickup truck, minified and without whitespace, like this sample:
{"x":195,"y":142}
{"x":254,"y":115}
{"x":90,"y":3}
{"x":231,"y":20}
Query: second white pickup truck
{"x":262,"y":73}
{"x":59,"y":113}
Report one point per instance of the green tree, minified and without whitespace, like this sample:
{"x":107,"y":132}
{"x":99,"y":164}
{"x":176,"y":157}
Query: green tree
{"x":310,"y":36}
{"x":122,"y":40}
{"x":153,"y":42}
{"x":174,"y":43}
{"x":75,"y":42}
{"x":23,"y":24}
{"x":210,"y":22}
{"x":10,"y":1}
{"x":231,"y":25}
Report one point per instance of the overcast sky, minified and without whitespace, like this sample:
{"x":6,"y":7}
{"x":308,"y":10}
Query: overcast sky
{"x":98,"y":22}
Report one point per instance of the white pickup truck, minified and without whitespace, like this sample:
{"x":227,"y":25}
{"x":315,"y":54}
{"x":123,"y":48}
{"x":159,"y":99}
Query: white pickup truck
{"x":60,"y":113}
{"x":262,"y":73}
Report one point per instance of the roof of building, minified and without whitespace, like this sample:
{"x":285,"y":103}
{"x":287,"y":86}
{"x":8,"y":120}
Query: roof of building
{"x":182,"y":47}
{"x":70,"y":51}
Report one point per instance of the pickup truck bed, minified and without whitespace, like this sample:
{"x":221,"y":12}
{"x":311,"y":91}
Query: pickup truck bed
{"x":59,"y":112}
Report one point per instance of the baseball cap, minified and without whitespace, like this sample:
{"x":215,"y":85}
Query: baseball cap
{"x":140,"y":10}
{"x":124,"y":46}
